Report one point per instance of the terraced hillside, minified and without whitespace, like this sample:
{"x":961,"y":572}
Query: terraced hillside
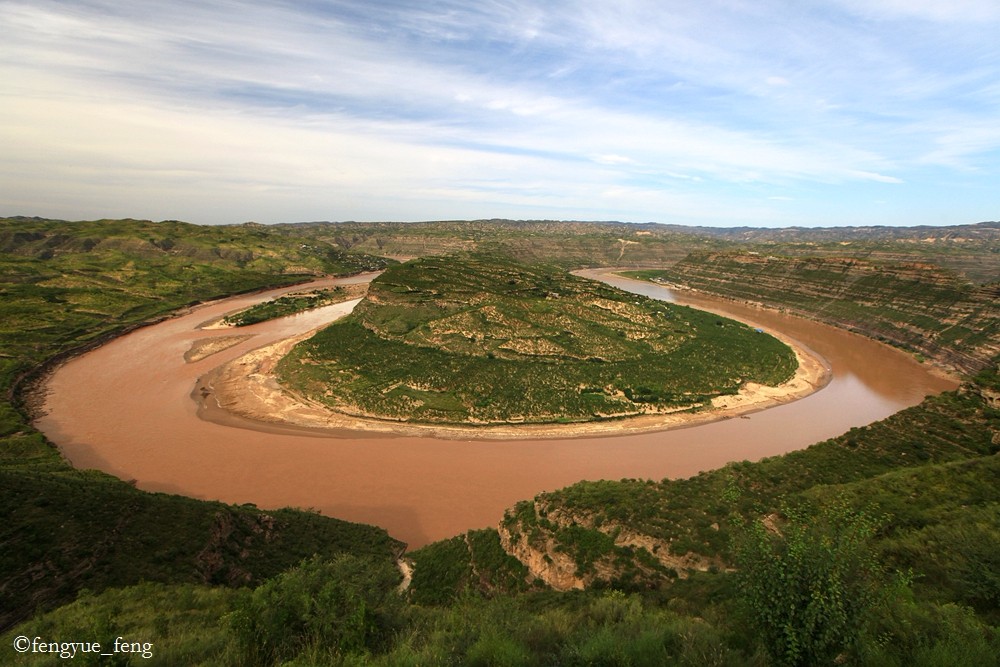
{"x":667,"y":547}
{"x":64,"y":284}
{"x":918,"y":307}
{"x":480,"y":339}
{"x":568,"y":244}
{"x":973,"y":251}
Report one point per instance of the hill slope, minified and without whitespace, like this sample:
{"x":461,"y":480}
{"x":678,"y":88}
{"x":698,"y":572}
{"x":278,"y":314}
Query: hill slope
{"x":480,"y":339}
{"x":918,"y":307}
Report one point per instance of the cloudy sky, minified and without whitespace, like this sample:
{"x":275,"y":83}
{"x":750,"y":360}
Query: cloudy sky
{"x":714,"y":112}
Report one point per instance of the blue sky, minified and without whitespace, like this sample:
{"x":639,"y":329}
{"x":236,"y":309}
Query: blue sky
{"x":716,"y":112}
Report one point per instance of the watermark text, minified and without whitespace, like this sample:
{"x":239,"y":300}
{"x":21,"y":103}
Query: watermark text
{"x":70,"y":650}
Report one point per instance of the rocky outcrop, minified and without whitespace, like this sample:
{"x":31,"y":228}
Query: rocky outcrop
{"x":542,"y":558}
{"x":992,"y":398}
{"x":571,"y":550}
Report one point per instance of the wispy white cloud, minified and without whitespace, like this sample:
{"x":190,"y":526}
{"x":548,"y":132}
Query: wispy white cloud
{"x":641,"y":110}
{"x":953,"y":11}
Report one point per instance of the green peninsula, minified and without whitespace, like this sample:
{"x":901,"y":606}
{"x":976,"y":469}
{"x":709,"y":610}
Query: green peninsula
{"x":479,"y":339}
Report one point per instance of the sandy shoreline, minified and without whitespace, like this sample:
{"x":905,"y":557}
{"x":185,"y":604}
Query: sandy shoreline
{"x":247,"y":389}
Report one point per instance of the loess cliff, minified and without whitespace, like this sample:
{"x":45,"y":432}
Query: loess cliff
{"x":916,"y":306}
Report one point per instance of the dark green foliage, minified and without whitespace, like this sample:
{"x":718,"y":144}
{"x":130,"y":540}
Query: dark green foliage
{"x":484,"y":340}
{"x":341,"y":613}
{"x":341,"y":606}
{"x":494,"y":570}
{"x":929,"y":635}
{"x":471,"y":563}
{"x":688,"y":626}
{"x":811,"y":582}
{"x":592,"y":628}
{"x":182,"y":624}
{"x":944,"y":527}
{"x":585,"y":544}
{"x":442,"y":570}
{"x":87,"y":529}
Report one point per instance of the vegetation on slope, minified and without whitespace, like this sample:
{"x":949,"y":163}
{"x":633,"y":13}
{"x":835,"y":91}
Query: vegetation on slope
{"x":918,"y":307}
{"x":480,"y":339}
{"x":65,"y":286}
{"x":289,"y":304}
{"x":690,"y":520}
{"x":474,"y":561}
{"x":346,"y":611}
{"x":566,"y":244}
{"x":915,"y":500}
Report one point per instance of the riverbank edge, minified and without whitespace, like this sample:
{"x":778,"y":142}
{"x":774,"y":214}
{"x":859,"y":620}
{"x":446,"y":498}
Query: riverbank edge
{"x":28,"y":390}
{"x":246,"y":389}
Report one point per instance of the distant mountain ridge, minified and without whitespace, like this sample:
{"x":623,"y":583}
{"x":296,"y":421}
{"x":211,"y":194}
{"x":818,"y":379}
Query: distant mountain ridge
{"x":987,"y":230}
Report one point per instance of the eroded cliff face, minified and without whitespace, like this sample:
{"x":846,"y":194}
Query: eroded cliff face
{"x":916,"y":306}
{"x":542,"y":558}
{"x":570,"y":550}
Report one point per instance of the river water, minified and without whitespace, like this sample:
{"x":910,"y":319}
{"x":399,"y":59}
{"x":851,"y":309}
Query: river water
{"x":127,"y":408}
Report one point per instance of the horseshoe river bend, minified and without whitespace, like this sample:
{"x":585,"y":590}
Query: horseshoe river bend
{"x":131,"y":408}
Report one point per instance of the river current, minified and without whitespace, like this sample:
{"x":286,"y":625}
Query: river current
{"x":127,"y":408}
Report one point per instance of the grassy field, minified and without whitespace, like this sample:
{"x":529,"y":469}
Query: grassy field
{"x":480,"y":339}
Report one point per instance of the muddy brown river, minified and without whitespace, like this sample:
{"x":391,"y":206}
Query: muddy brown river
{"x":127,"y":408}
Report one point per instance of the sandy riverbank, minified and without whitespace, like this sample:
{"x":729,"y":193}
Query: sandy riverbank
{"x":246,"y":387}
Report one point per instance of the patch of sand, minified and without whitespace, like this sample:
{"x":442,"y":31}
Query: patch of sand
{"x":206,"y":347}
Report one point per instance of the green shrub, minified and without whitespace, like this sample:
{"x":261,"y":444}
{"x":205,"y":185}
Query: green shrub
{"x":810,"y":585}
{"x":343,"y":606}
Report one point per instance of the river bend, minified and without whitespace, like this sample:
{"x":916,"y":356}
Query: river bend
{"x":126,"y":408}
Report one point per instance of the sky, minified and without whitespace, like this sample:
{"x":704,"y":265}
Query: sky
{"x":711,"y":112}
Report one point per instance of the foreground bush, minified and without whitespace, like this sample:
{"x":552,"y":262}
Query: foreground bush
{"x":337,"y":607}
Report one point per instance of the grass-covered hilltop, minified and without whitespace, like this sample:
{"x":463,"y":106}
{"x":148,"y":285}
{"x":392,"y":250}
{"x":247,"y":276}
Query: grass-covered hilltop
{"x":481,"y":339}
{"x":878,"y":547}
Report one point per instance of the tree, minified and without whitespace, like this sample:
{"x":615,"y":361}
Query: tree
{"x":811,"y":583}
